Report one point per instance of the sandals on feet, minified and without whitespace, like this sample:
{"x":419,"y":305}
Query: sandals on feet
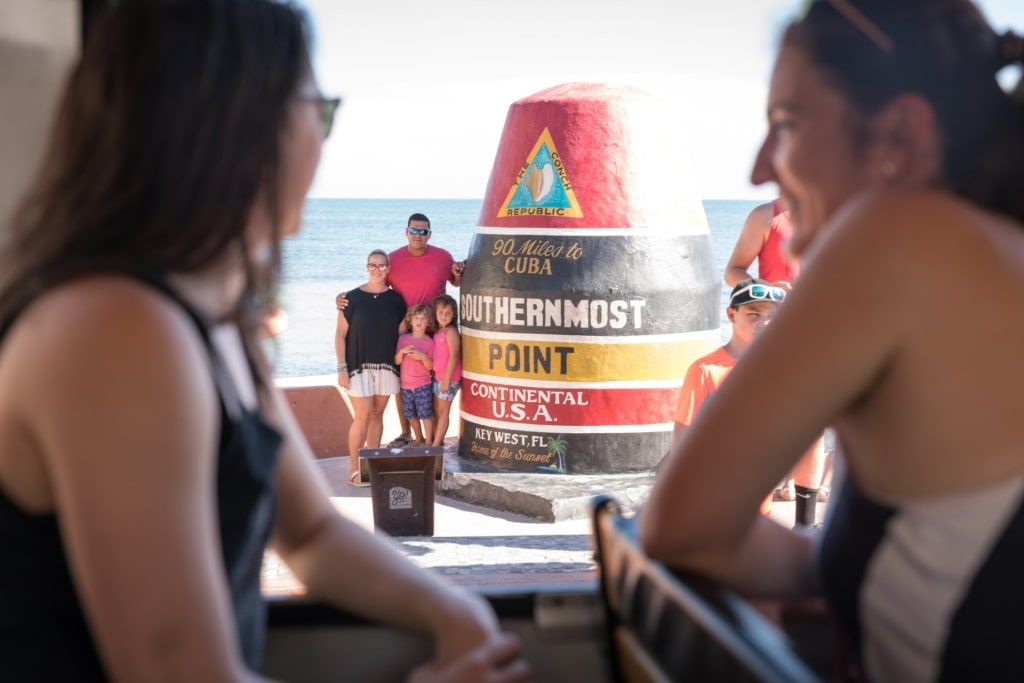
{"x":356,"y":480}
{"x":787,"y":492}
{"x":400,"y":441}
{"x":823,"y":493}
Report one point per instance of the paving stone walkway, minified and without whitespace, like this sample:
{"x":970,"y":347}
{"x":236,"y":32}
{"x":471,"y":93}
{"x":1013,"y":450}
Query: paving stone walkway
{"x":477,"y":546}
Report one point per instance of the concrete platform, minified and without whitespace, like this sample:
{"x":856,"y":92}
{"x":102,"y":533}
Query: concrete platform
{"x":548,"y":498}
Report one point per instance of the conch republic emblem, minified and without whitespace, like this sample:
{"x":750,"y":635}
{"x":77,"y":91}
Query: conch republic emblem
{"x":590,"y":286}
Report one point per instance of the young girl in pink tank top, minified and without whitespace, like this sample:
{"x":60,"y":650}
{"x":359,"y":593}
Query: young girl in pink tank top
{"x":447,"y":363}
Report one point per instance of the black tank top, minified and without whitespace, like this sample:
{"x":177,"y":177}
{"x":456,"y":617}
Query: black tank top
{"x":43,"y":634}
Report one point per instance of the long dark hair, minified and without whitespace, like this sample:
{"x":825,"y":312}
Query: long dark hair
{"x":944,"y":50}
{"x":168,"y":131}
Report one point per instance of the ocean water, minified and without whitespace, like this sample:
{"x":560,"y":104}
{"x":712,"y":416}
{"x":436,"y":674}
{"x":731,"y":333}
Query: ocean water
{"x":329,"y":256}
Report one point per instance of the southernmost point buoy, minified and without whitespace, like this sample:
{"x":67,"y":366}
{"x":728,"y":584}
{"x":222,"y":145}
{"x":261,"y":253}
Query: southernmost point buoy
{"x":589,"y":289}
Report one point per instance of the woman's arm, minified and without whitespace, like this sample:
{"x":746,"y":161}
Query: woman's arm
{"x":748,"y":244}
{"x":115,"y":390}
{"x":340,"y":335}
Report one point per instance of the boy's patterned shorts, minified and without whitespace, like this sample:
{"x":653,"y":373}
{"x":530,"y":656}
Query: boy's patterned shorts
{"x":417,"y":404}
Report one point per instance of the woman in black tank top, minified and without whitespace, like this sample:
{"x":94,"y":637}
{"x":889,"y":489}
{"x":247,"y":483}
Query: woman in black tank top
{"x":146,"y":457}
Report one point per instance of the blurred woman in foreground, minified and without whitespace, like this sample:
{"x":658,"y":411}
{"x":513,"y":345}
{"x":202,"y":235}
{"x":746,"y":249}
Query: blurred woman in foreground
{"x":901,"y":163}
{"x":146,"y":457}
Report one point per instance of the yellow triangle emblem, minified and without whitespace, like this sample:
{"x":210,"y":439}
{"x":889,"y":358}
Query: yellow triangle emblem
{"x":542,"y":186}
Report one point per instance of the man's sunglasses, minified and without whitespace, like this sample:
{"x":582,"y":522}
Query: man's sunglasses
{"x":418,"y":231}
{"x":328,"y":108}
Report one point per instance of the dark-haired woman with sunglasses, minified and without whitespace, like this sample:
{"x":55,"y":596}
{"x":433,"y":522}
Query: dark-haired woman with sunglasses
{"x":146,"y":457}
{"x":901,"y":161}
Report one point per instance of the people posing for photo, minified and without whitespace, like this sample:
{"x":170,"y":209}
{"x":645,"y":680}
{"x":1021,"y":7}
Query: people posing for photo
{"x":420,"y":273}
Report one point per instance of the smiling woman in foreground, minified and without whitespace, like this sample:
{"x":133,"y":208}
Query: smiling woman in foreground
{"x":901,"y":162}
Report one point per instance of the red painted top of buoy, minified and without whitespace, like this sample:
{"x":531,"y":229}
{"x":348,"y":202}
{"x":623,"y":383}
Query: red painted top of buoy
{"x":611,"y":159}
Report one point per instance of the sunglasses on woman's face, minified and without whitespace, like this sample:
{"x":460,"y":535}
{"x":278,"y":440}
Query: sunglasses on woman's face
{"x":376,"y":266}
{"x":419,"y":231}
{"x":328,"y":107}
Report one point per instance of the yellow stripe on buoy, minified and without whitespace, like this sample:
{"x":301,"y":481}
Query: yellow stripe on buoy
{"x":569,"y":360}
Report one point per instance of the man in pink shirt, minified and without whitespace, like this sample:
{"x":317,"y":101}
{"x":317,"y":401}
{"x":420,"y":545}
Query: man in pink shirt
{"x":419,"y":272}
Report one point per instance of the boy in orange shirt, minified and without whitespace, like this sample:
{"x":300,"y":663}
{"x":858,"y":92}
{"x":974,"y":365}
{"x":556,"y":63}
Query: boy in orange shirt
{"x":752,"y":305}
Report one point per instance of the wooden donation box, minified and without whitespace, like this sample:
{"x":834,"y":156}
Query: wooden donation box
{"x":402,"y":487}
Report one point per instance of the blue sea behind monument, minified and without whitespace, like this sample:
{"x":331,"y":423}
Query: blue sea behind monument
{"x":329,"y":256}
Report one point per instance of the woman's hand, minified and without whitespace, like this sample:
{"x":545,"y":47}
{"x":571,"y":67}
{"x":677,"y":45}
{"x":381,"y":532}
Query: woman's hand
{"x":498,"y":660}
{"x":465,"y":623}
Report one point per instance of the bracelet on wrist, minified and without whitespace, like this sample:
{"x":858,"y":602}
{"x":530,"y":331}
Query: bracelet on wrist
{"x":342,"y":366}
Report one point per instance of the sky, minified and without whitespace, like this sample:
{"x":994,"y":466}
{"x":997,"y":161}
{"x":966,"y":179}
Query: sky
{"x":427,"y":84}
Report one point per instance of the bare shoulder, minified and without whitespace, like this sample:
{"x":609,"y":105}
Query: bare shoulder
{"x":900,"y":248}
{"x":113,"y":309}
{"x":759,"y":218}
{"x":908,"y":228}
{"x":110,"y":329}
{"x":909,"y":213}
{"x":98,"y":371}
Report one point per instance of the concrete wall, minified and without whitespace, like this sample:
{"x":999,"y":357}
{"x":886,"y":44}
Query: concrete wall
{"x":323,"y":412}
{"x":39,"y":41}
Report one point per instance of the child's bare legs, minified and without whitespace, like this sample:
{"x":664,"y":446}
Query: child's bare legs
{"x":442,"y":411}
{"x":422,"y":430}
{"x":417,"y":431}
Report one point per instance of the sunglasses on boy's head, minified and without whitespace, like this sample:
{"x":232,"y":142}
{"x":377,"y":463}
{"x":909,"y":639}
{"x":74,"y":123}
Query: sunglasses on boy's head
{"x":418,"y":231}
{"x":757,"y":292}
{"x":328,"y":107}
